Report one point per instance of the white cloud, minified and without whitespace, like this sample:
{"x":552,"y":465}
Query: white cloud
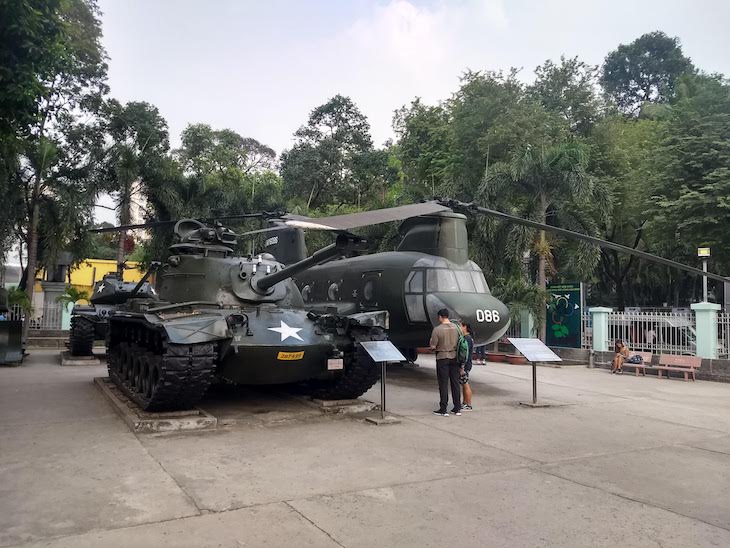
{"x":399,"y":51}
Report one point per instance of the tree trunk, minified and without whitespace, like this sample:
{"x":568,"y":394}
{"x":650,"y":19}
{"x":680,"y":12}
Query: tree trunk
{"x":620,"y":295}
{"x":542,"y":283}
{"x":541,"y":266}
{"x":123,"y":220}
{"x":30,"y":270}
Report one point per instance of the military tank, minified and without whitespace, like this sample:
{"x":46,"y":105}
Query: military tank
{"x":240,"y":319}
{"x":90,"y":322}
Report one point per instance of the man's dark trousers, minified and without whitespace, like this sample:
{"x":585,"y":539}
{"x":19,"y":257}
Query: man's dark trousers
{"x":448,"y":371}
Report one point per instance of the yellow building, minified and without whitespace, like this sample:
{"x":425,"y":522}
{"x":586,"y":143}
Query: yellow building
{"x":93,"y":270}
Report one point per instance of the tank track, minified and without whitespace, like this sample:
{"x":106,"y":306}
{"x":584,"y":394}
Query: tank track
{"x":360,"y":372}
{"x":81,"y":336}
{"x":162,"y":376}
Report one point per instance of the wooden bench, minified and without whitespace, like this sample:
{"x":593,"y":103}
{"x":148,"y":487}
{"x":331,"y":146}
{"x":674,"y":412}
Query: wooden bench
{"x":646,"y":358}
{"x":687,"y":365}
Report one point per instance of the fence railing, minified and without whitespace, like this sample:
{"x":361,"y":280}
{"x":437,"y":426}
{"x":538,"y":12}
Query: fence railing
{"x":48,"y":317}
{"x":586,"y":331}
{"x":514,"y":330}
{"x":723,"y":335}
{"x":655,"y":332}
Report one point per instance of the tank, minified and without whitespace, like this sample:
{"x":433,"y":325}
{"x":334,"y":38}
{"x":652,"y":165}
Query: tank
{"x":90,"y":322}
{"x":238,"y":319}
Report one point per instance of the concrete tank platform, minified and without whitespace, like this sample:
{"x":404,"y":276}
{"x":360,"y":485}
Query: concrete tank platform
{"x":144,"y":422}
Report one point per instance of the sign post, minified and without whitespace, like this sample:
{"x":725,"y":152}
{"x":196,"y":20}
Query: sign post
{"x":382,"y":352}
{"x":704,"y":254}
{"x":535,"y":351}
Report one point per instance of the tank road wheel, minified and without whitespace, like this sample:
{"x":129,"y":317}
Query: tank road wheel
{"x":177,"y":379}
{"x":126,"y":362}
{"x":135,"y":378}
{"x":81,"y":336}
{"x":360,"y":372}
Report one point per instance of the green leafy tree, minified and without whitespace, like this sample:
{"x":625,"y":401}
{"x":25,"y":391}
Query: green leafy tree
{"x":519,"y":294}
{"x":622,"y":158}
{"x":53,"y":146}
{"x":137,"y":143}
{"x":72,"y":295}
{"x":568,"y":88}
{"x":691,"y":187}
{"x":644,"y":70}
{"x":492,"y":117}
{"x":545,"y":184}
{"x":326,"y":164}
{"x":425,"y":146}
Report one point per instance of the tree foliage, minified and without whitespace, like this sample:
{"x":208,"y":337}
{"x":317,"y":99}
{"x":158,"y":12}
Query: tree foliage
{"x":644,"y":70}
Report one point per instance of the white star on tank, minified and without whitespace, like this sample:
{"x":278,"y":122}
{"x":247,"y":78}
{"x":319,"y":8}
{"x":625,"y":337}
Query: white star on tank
{"x":100,"y":288}
{"x":285,"y":331}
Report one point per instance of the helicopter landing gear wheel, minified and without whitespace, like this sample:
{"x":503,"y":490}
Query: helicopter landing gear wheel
{"x":360,"y":372}
{"x":81,"y":337}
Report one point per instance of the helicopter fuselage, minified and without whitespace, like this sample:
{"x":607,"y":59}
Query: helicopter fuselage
{"x":412,"y":287}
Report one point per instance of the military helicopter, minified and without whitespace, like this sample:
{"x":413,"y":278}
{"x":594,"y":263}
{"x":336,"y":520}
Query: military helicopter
{"x":428,"y":270}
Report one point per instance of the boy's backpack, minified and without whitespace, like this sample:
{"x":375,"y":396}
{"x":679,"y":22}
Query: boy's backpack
{"x":462,"y":346}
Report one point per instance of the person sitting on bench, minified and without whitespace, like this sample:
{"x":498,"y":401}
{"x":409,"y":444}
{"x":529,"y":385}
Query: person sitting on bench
{"x":622,"y":352}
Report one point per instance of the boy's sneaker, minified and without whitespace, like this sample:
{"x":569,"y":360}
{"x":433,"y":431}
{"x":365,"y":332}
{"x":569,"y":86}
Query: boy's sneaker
{"x":456,"y":412}
{"x":440,"y":413}
{"x":467,"y":407}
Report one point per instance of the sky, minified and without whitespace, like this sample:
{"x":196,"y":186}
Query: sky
{"x":260,"y":67}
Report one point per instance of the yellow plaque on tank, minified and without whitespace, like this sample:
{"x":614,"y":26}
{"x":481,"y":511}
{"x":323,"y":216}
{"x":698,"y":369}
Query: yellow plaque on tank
{"x":290,"y":356}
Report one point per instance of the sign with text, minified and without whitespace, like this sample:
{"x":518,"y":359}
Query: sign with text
{"x":534,"y":350}
{"x":383,"y":351}
{"x":563,"y":315}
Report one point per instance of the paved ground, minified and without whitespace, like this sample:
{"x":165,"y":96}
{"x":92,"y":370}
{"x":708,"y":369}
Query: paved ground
{"x":622,"y":461}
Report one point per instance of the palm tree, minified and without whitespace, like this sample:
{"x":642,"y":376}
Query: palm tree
{"x":72,"y":295}
{"x":541,"y":184}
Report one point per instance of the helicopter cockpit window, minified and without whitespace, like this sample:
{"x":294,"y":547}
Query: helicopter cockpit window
{"x":466,"y":283}
{"x":479,"y":282}
{"x":414,"y":283}
{"x":442,"y":280}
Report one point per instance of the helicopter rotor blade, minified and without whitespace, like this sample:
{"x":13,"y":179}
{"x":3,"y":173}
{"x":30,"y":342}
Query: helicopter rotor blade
{"x":473,"y":208}
{"x":158,"y":224}
{"x":365,"y":218}
{"x":124,"y":228}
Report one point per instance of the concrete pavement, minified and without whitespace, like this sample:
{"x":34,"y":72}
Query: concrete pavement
{"x":618,"y":460}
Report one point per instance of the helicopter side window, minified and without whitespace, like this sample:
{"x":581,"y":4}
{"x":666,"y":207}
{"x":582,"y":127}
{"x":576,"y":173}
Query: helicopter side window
{"x":479,"y":282}
{"x":442,"y":280}
{"x":414,"y":307}
{"x":414,"y":283}
{"x":466,"y":283}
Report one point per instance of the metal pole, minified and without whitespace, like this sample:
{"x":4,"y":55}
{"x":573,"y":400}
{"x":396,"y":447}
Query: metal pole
{"x":382,"y":390}
{"x":704,"y":280}
{"x":534,"y":383}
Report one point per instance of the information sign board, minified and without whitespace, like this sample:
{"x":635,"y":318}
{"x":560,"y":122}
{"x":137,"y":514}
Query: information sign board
{"x":535,"y":350}
{"x":382,"y":351}
{"x":564,"y":315}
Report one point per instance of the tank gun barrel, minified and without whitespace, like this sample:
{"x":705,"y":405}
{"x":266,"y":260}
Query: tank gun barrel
{"x":344,"y":243}
{"x":153,"y":267}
